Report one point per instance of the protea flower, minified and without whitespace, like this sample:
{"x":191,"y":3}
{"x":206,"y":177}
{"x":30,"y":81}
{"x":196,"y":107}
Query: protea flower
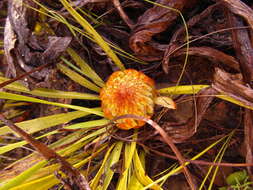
{"x":128,"y":92}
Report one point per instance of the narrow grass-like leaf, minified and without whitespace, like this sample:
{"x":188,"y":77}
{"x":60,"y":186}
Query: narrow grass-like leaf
{"x":95,"y":181}
{"x":12,"y":104}
{"x":77,"y":78}
{"x":64,"y":152}
{"x":134,"y":182}
{"x":78,"y":144}
{"x":47,"y":181}
{"x":96,"y":37}
{"x":128,"y":156}
{"x":12,"y":113}
{"x":87,"y":70}
{"x":234,"y":101}
{"x":77,"y":160}
{"x":194,"y":89}
{"x":110,"y":164}
{"x":93,"y":155}
{"x":184,"y":89}
{"x":219,"y":159}
{"x":11,"y":96}
{"x":88,"y":124}
{"x":49,"y":93}
{"x":76,"y":69}
{"x":41,"y":123}
{"x":141,"y":174}
{"x":39,"y":184}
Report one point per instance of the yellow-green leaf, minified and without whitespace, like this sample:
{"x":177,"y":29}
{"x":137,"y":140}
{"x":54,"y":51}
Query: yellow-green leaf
{"x":93,"y":33}
{"x":130,"y":148}
{"x":11,"y":96}
{"x":184,"y":89}
{"x":49,"y":93}
{"x":78,"y":78}
{"x":141,"y":174}
{"x":87,"y":70}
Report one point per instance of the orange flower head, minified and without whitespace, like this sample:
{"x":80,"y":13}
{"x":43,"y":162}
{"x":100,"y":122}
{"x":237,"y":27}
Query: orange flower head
{"x":128,"y":92}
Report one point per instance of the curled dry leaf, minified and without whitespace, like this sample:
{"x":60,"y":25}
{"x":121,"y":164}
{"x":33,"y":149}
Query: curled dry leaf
{"x":212,"y":54}
{"x":155,"y":20}
{"x":243,"y":47}
{"x":232,"y":85}
{"x":241,"y":9}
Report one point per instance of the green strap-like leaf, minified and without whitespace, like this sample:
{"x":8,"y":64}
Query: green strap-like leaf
{"x":86,"y":69}
{"x":95,"y":181}
{"x":128,"y":156}
{"x":96,"y":37}
{"x":46,"y":122}
{"x":141,"y":174}
{"x":78,"y":78}
{"x":49,"y":93}
{"x":184,"y":89}
{"x":11,"y":96}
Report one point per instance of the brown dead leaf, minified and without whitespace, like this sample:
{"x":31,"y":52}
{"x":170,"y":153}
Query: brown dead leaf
{"x":212,"y":54}
{"x":155,"y":20}
{"x":244,"y":48}
{"x":241,"y":9}
{"x":232,"y":86}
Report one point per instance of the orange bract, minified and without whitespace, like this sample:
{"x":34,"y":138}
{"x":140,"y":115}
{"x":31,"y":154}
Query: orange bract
{"x":128,"y":92}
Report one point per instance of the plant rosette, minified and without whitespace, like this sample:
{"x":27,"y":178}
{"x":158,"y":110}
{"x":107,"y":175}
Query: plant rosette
{"x":131,"y":92}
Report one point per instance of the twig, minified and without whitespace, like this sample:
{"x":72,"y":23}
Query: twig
{"x":3,"y":84}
